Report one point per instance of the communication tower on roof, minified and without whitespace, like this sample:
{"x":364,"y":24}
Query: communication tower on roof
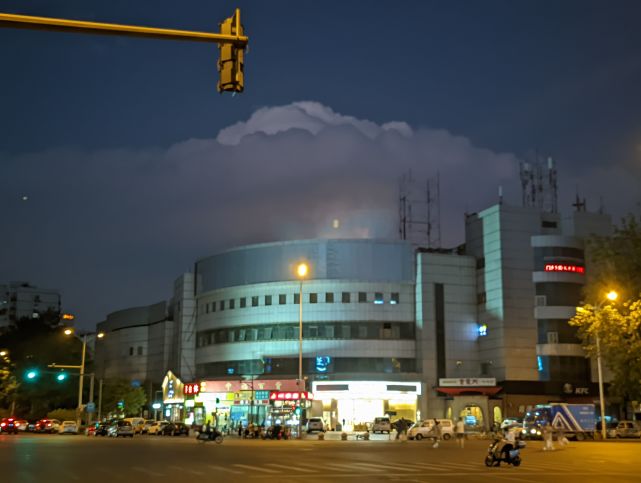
{"x":539,"y":185}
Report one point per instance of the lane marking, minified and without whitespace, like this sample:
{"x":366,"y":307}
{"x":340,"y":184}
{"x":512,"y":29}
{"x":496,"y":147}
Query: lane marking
{"x":256,"y":468}
{"x":186,"y":470}
{"x":146,"y":471}
{"x":222,"y":468}
{"x":389,"y":467}
{"x":295,"y":468}
{"x":350,"y":467}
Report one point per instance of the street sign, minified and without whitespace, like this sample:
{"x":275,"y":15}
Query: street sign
{"x":90,"y":407}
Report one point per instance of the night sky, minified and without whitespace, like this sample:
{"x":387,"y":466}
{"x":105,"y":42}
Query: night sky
{"x":134,"y":166}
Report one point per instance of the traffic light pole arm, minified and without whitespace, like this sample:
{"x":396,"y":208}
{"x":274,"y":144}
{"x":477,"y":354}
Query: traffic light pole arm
{"x":81,"y":26}
{"x":60,"y":366}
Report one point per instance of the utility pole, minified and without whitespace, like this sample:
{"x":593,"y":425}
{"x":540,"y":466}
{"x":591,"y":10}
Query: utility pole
{"x":231,"y":39}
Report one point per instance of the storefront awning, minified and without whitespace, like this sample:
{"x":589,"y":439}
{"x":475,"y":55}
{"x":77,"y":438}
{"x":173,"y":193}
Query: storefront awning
{"x":465,"y":391}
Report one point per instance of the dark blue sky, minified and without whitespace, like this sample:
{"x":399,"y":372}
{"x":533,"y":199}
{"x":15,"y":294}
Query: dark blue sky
{"x":505,"y":76}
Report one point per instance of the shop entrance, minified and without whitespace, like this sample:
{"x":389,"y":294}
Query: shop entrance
{"x":359,"y":411}
{"x":473,"y":417}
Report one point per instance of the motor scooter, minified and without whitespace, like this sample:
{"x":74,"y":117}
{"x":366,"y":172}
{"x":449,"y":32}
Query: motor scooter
{"x":213,"y":435}
{"x":501,"y":450}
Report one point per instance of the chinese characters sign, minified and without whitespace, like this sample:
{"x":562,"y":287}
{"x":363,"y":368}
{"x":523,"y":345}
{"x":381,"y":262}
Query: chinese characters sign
{"x":562,"y":267}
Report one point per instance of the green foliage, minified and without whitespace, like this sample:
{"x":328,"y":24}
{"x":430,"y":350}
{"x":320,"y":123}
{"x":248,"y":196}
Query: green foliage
{"x":62,"y":414}
{"x":114,"y":391}
{"x":34,"y":344}
{"x":618,"y":328}
{"x":615,"y":262}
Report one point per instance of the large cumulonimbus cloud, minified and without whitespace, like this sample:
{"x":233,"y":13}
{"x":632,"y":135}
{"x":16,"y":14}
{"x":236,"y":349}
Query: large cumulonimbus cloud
{"x":112,"y":228}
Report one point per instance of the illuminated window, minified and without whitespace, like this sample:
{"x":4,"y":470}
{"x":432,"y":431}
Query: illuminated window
{"x":482,"y":330}
{"x":394,"y":299}
{"x":539,"y":363}
{"x":378,"y":298}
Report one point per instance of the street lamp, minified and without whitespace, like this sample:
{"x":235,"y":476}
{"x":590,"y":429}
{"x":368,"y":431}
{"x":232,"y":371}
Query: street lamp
{"x":612,"y":296}
{"x":81,"y":367}
{"x":301,"y":271}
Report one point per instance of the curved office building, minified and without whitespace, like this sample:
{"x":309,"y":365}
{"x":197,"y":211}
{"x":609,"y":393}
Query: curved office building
{"x":358,"y":322}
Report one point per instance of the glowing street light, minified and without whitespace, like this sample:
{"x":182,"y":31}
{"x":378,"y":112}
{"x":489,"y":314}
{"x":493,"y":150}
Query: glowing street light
{"x":611,"y":296}
{"x":3,"y":353}
{"x":301,"y":271}
{"x":68,"y":331}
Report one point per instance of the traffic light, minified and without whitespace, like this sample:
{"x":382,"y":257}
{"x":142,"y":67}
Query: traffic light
{"x":61,"y":377}
{"x":31,"y":374}
{"x":231,"y":57}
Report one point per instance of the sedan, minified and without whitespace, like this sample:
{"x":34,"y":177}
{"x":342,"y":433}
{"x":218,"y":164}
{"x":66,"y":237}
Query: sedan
{"x":121,"y":428}
{"x":156,"y":427}
{"x":68,"y":427}
{"x":8,"y":425}
{"x":175,"y":429}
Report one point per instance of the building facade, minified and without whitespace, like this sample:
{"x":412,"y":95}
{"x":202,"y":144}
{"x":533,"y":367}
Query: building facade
{"x":20,"y":300}
{"x":358,"y":323}
{"x":479,"y":332}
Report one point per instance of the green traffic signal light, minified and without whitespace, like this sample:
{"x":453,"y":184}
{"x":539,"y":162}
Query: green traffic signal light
{"x":61,"y":377}
{"x":31,"y":374}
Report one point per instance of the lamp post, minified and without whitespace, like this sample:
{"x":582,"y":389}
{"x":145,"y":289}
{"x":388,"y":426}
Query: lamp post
{"x":612,"y":296}
{"x":301,"y":271}
{"x":81,"y":367}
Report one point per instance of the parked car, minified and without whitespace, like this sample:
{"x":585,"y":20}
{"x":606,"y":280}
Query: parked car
{"x":148,"y":423}
{"x":156,"y":427}
{"x":8,"y":425}
{"x":315,"y":424}
{"x":137,"y":424}
{"x":121,"y":428}
{"x":68,"y":427}
{"x":382,"y":425}
{"x":423,"y":429}
{"x":628,"y":429}
{"x":47,"y":426}
{"x":22,"y":424}
{"x":175,"y":429}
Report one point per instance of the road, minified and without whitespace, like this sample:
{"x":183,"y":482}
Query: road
{"x":56,"y":459}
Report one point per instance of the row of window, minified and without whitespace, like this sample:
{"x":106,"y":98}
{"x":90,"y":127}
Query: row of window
{"x":312,"y":298}
{"x":283,"y":366}
{"x":316,"y":330}
{"x":139,"y":351}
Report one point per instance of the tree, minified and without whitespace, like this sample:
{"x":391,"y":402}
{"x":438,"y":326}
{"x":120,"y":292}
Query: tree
{"x":34,"y":344}
{"x":615,"y":262}
{"x":119,"y":396}
{"x":618,"y":328}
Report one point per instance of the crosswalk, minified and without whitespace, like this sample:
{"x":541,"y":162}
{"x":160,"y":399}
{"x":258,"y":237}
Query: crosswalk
{"x":338,"y":468}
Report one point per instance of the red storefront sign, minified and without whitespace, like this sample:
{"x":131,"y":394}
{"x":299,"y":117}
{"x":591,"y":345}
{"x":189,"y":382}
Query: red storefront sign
{"x":191,"y":388}
{"x":290,"y":396}
{"x":562,"y":267}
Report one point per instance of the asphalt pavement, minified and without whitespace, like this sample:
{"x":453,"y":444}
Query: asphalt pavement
{"x":28,"y":458}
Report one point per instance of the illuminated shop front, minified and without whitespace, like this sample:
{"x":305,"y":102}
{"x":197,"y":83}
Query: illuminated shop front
{"x":358,"y":402}
{"x":237,"y":402}
{"x":173,"y":398}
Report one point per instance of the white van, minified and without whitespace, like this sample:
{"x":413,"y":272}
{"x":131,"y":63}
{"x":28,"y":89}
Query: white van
{"x":423,"y":429}
{"x":382,"y":425}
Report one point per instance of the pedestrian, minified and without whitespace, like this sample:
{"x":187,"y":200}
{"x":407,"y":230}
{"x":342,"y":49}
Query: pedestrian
{"x":436,"y":429}
{"x":240,"y":429}
{"x":547,"y":438}
{"x":561,"y":439}
{"x":460,"y":433}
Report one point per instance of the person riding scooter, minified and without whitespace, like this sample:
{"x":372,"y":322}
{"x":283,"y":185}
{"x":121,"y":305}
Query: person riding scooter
{"x":505,"y":449}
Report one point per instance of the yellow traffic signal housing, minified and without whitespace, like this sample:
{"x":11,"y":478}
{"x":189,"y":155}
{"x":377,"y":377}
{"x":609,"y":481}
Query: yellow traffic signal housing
{"x":231,"y":57}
